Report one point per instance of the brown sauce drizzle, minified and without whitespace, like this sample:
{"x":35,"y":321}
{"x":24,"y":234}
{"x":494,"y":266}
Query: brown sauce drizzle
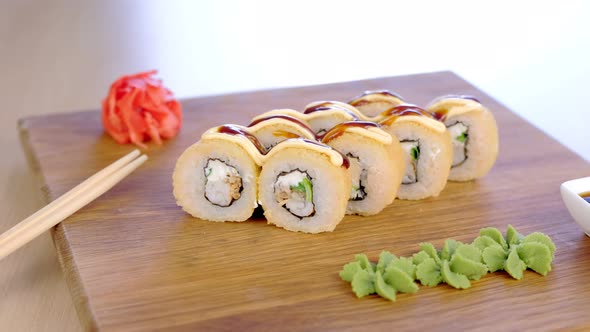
{"x":391,"y":115}
{"x":360,"y":101}
{"x":237,"y":131}
{"x":586,"y":196}
{"x":285,"y":117}
{"x":339,"y":129}
{"x":284,"y":133}
{"x":441,"y":115}
{"x":327,"y":106}
{"x":345,"y":161}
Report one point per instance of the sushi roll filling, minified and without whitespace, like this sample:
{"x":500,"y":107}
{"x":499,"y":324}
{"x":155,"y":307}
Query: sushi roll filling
{"x":223,"y":183}
{"x":460,"y":135}
{"x":358,"y":175}
{"x":412,"y":153}
{"x":293,"y":190}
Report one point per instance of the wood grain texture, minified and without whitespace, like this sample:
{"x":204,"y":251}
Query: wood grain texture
{"x":135,"y":261}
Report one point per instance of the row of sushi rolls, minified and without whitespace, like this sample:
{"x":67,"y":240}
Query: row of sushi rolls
{"x":308,"y":169}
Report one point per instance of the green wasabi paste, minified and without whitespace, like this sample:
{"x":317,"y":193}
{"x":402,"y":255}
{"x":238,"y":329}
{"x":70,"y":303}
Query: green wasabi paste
{"x":455,"y":264}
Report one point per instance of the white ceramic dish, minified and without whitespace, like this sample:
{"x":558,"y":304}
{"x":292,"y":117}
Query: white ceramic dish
{"x":577,"y":206}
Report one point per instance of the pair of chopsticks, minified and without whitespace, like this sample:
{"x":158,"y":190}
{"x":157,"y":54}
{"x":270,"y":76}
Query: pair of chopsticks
{"x":69,"y":203}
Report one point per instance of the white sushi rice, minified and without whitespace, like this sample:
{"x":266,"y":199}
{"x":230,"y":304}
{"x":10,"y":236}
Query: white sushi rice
{"x":434,"y":163}
{"x":273,"y":131}
{"x":331,"y":189}
{"x":481,"y":146}
{"x":321,"y":125}
{"x":381,"y":170}
{"x":190,"y":181}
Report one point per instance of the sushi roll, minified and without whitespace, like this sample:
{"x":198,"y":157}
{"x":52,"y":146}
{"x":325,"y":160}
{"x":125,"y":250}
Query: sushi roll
{"x":304,"y":186}
{"x":376,"y":164}
{"x":275,"y":128}
{"x":216,"y":178}
{"x":324,"y":105}
{"x":373,"y":103}
{"x":473,"y":132}
{"x":319,"y":120}
{"x":427,"y":148}
{"x":281,"y":111}
{"x":322,"y":118}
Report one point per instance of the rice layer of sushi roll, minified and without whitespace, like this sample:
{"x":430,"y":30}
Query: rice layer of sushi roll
{"x":473,"y":132}
{"x":376,"y":164}
{"x":216,"y":178}
{"x":322,"y":118}
{"x":319,"y":119}
{"x":373,"y":103}
{"x":275,"y":128}
{"x":304,"y":186}
{"x":427,"y":148}
{"x":319,"y":104}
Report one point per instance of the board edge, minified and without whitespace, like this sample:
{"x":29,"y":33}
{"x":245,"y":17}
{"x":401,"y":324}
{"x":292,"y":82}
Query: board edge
{"x":64,"y":254}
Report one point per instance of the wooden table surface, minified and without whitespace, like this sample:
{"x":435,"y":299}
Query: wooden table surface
{"x":135,"y":261}
{"x":61,"y":55}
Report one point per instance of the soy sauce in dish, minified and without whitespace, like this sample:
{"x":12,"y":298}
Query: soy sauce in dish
{"x":586,"y":196}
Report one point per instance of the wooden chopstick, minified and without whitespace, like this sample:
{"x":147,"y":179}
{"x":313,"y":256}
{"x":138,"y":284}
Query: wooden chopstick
{"x":69,"y":203}
{"x":67,"y":197}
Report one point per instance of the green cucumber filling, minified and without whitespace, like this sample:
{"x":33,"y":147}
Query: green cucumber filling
{"x":223,"y":183}
{"x":294,"y":191}
{"x":415,"y":152}
{"x":358,"y":175}
{"x":460,"y":136}
{"x":305,"y":187}
{"x":412,"y":153}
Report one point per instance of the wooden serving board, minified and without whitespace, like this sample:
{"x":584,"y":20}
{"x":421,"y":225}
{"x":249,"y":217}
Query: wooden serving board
{"x":135,"y":261}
